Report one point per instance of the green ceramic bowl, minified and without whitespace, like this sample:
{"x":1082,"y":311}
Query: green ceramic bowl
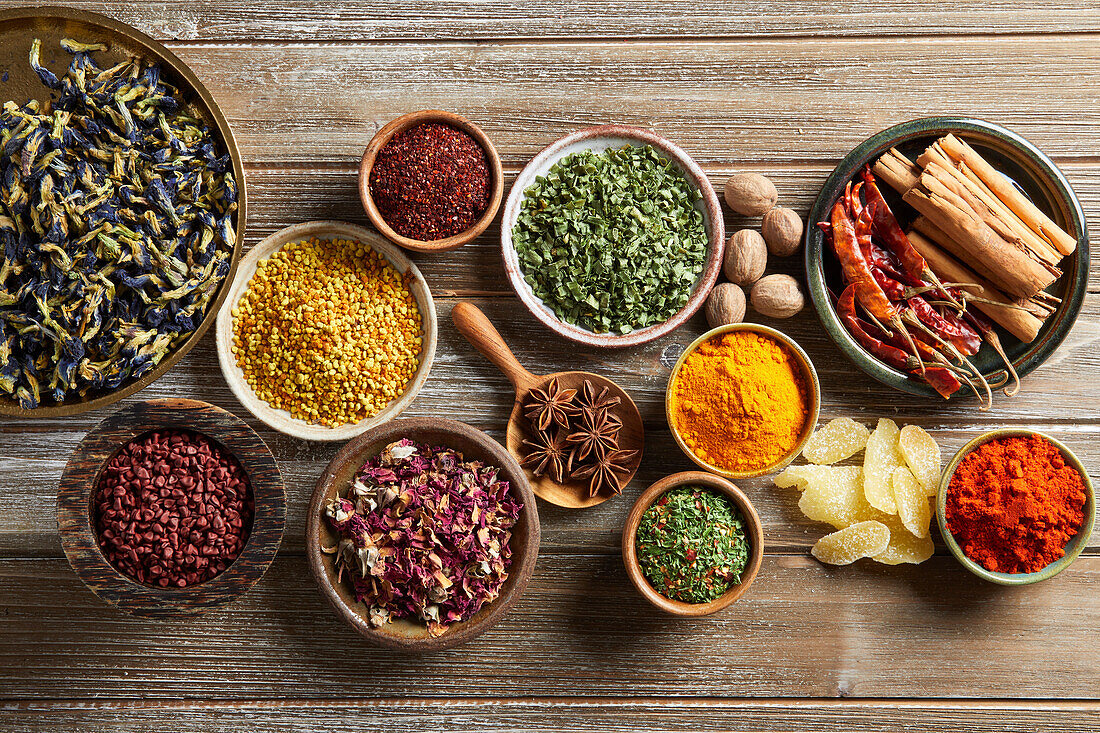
{"x":1073,"y":548}
{"x":1035,"y":175}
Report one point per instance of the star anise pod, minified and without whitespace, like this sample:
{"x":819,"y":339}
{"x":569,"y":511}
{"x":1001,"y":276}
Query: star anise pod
{"x":547,"y":455}
{"x":595,"y":433}
{"x":549,"y":406}
{"x":601,"y":475}
{"x":588,"y":397}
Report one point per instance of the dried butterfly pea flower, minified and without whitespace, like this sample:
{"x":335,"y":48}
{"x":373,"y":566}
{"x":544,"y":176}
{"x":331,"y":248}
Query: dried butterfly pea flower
{"x":117,"y":213}
{"x":429,"y":535}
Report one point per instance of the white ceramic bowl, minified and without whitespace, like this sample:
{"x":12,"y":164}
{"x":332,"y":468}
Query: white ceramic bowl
{"x":282,"y":420}
{"x":598,"y":139}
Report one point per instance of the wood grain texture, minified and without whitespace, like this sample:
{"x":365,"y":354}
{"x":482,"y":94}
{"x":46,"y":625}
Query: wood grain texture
{"x":594,"y":715}
{"x":803,"y":630}
{"x":300,"y":20}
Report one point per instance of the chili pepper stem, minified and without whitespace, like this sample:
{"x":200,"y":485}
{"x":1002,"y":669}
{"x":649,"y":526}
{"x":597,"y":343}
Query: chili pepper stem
{"x":913,"y":321}
{"x":896,"y":323}
{"x":995,"y":341}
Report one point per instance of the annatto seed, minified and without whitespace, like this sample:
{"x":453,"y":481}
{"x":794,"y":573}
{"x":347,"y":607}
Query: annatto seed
{"x":169,"y":536}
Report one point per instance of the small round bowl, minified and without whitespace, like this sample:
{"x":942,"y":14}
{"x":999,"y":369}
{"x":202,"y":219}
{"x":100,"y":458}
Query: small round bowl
{"x":410,"y":635}
{"x":598,"y":139}
{"x":402,"y":123}
{"x":1073,"y":547}
{"x":813,"y":398}
{"x":753,"y":530}
{"x":1032,"y":171}
{"x":81,"y":476}
{"x":282,"y":420}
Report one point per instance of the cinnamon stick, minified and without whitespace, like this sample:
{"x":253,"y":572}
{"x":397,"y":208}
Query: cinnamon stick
{"x":896,"y":170}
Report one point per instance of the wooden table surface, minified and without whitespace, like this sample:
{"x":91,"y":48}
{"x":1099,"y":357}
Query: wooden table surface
{"x":777,"y":87}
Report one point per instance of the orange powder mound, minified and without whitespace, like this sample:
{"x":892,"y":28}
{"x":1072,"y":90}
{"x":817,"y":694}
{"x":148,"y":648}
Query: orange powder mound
{"x":739,"y":401}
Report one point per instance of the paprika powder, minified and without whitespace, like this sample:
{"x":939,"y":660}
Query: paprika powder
{"x":1014,"y":503}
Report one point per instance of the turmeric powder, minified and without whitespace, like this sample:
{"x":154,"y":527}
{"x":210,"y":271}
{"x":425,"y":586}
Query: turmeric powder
{"x":739,"y":401}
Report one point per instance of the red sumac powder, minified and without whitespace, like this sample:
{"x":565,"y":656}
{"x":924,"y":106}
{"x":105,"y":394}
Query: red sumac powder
{"x":430,"y":182}
{"x":172,"y":509}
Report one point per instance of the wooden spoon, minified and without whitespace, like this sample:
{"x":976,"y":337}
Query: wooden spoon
{"x":477,"y":329}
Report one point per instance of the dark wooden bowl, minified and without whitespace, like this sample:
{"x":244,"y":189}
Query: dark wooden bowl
{"x":402,"y":123}
{"x":412,"y":635}
{"x":18,"y":27}
{"x":74,"y":503}
{"x":753,"y":530}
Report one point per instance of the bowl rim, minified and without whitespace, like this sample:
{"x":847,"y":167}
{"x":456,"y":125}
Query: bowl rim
{"x":712,"y":217}
{"x":281,"y":420}
{"x":754,"y":530}
{"x":523,"y":565}
{"x":1058,"y":325}
{"x":402,"y":123}
{"x":1076,"y":543}
{"x":81,"y":476}
{"x":198,"y":92}
{"x":811,"y":418}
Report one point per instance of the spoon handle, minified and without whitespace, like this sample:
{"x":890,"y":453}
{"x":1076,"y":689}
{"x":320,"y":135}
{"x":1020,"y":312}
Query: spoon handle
{"x":479,"y":331}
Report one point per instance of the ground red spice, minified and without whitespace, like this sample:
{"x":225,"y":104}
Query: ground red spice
{"x":431,"y":181}
{"x":172,"y":509}
{"x":1013,"y":504}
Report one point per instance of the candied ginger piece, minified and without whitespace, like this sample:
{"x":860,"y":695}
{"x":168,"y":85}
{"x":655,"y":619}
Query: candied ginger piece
{"x":794,"y":477}
{"x":913,"y":509}
{"x":863,"y":539}
{"x":879,"y":461}
{"x":904,"y":546}
{"x":834,"y":495}
{"x":836,"y":440}
{"x":922,"y":454}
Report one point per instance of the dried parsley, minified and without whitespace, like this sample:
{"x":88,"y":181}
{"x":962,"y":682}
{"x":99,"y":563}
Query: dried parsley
{"x":691,"y":544}
{"x":612,"y":241}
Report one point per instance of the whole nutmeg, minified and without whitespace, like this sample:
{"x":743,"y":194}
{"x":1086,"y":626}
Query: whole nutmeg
{"x":725,"y":305}
{"x":746,"y":257}
{"x":777,"y":296}
{"x":750,"y":194}
{"x":782,"y":229}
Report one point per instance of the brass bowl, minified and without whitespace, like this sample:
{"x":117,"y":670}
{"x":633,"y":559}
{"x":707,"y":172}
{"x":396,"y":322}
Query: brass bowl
{"x":18,"y":28}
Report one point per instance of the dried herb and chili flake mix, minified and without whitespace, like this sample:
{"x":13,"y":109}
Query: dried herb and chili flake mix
{"x":691,"y":544}
{"x":612,"y":241}
{"x":117,"y":210}
{"x":424,"y":535}
{"x":431,"y":181}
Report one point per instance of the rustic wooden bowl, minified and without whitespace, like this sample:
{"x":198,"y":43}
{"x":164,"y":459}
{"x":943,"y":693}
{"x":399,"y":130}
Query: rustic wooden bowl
{"x":753,"y":530}
{"x":402,"y":123}
{"x":813,"y":398}
{"x":282,"y":420}
{"x":20,"y":26}
{"x":477,"y":329}
{"x":1076,"y":543}
{"x":99,"y":446}
{"x":598,"y":139}
{"x":404,"y":634}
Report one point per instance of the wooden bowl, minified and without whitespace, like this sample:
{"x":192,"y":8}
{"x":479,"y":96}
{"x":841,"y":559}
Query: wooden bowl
{"x":81,"y":476}
{"x":753,"y":531}
{"x":1032,"y":171}
{"x":404,"y":634}
{"x":1076,"y":543}
{"x":20,"y":26}
{"x":813,"y":398}
{"x":282,"y":420}
{"x":598,"y":139}
{"x":402,"y":123}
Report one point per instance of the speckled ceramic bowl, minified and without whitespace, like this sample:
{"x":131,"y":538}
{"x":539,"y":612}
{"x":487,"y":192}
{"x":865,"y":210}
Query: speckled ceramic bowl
{"x":813,"y":398}
{"x":1032,"y":171}
{"x":1073,"y":548}
{"x":598,"y":139}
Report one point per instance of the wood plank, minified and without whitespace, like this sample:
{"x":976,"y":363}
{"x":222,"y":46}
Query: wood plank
{"x":599,"y":715}
{"x":1055,"y":399}
{"x":804,"y":630}
{"x":725,"y":102}
{"x":296,"y":20}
